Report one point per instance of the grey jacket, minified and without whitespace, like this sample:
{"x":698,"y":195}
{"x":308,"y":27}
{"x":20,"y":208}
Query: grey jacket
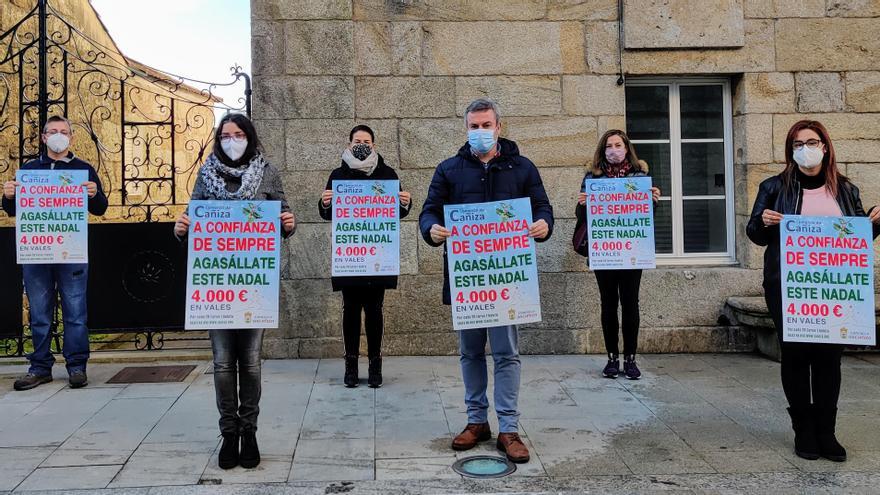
{"x":270,"y":189}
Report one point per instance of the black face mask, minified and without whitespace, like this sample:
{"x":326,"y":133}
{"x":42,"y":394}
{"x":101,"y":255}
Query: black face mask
{"x":361,"y":151}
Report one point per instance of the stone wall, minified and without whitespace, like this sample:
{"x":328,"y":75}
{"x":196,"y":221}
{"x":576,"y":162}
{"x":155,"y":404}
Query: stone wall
{"x":408,"y":69}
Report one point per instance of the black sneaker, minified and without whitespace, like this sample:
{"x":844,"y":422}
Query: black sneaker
{"x":630,"y":369}
{"x":250,"y":452}
{"x":228,"y":456}
{"x":375,"y":378}
{"x":612,"y":369}
{"x":78,"y":379}
{"x":351,"y":372}
{"x":30,"y":381}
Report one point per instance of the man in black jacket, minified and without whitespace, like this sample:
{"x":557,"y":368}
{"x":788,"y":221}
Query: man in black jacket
{"x":70,"y":280}
{"x":486,"y":169}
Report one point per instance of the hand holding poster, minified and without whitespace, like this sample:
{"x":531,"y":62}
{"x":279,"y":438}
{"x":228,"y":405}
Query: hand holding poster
{"x":366,"y":228}
{"x":233,"y":265}
{"x":52,"y":216}
{"x":827,"y":268}
{"x":493,"y":273}
{"x":620,"y":223}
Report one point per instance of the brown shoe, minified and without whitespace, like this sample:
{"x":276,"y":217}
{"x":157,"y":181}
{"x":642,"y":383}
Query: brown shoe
{"x":513,"y":446}
{"x":471,"y":435}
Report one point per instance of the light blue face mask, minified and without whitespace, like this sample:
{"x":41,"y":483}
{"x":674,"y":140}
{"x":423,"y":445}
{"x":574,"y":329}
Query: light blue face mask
{"x":481,"y":140}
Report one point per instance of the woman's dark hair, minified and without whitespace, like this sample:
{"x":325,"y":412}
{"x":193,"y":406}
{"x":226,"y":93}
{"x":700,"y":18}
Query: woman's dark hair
{"x":247,"y":127}
{"x":833,"y":177}
{"x":599,"y":156}
{"x":361,"y":128}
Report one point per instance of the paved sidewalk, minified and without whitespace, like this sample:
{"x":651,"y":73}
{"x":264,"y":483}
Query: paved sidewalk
{"x":693,"y":424}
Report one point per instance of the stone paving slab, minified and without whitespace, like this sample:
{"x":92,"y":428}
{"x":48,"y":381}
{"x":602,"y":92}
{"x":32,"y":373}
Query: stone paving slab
{"x":18,"y":463}
{"x":693,"y":424}
{"x":333,"y":459}
{"x":112,"y":434}
{"x":67,"y":478}
{"x":56,"y":419}
{"x":156,"y":464}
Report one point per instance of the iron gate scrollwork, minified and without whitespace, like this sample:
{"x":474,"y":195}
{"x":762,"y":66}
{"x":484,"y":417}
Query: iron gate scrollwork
{"x":145,"y":131}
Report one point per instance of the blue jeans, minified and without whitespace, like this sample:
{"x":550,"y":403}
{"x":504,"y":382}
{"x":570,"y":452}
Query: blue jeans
{"x":505,"y":354}
{"x":237,"y":371}
{"x":42,"y":284}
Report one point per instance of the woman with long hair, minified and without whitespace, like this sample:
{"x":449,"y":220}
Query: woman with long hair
{"x":237,"y":170}
{"x":614,"y":158}
{"x":811,"y":185}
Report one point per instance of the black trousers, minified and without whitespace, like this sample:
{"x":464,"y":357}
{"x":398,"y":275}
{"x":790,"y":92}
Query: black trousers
{"x":367,"y":301}
{"x":810,"y":372}
{"x":620,"y":287}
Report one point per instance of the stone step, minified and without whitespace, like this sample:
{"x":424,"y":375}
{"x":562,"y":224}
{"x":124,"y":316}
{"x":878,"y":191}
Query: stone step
{"x":751,"y":312}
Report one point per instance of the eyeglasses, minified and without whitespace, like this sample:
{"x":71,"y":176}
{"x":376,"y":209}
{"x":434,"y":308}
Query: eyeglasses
{"x":238,"y":136}
{"x":809,"y":143}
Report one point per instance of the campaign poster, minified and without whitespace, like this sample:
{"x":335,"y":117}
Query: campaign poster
{"x":620,"y":223}
{"x":52,"y":217}
{"x":366,"y":228}
{"x":233,"y":265}
{"x":827,"y":269}
{"x":493,"y":271}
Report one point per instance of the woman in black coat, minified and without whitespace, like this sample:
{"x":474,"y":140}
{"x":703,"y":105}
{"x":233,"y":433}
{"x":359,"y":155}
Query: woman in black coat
{"x":365,"y":294}
{"x":810,"y":185}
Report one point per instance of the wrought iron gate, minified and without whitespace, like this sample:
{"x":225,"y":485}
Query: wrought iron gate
{"x":145,"y":131}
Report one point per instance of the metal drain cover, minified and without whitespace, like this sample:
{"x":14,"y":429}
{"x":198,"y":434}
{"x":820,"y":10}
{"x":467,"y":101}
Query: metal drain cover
{"x":152,"y":374}
{"x":484,"y":466}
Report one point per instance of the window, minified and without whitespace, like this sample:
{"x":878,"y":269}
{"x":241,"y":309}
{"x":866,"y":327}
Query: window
{"x":682,"y":128}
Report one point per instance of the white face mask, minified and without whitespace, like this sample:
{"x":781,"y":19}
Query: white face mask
{"x":58,"y":142}
{"x":234,"y":149}
{"x":808,"y":157}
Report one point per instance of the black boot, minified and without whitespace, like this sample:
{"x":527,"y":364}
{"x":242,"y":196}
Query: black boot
{"x":829,"y":447}
{"x":375,"y":378}
{"x":351,"y":371}
{"x":228,"y":457}
{"x":250,"y":453}
{"x":805,"y":445}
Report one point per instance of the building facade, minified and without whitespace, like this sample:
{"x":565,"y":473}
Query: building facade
{"x":706,"y":88}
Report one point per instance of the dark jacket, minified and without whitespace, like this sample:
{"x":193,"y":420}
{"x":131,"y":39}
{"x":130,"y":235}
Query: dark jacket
{"x":595,"y":172}
{"x":344,"y":172}
{"x":463,"y":179}
{"x":97,"y":205}
{"x":774,"y":195}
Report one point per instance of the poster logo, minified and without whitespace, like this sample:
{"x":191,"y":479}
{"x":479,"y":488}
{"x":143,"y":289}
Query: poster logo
{"x":842,"y":226}
{"x":252,"y":212}
{"x":505,"y":211}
